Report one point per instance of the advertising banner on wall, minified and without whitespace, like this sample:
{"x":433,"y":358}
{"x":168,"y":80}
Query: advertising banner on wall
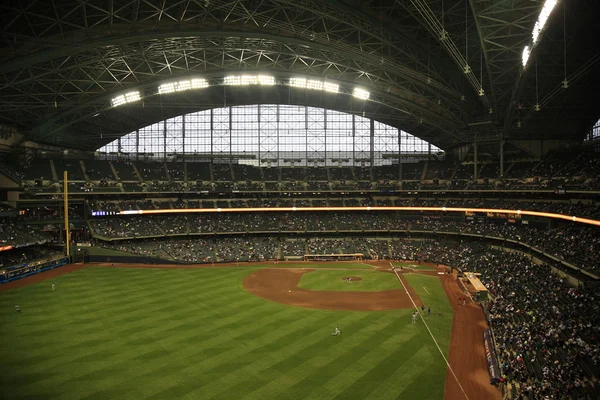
{"x":490,"y":356}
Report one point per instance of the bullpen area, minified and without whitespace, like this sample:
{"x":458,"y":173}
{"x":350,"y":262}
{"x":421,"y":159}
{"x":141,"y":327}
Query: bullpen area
{"x":260,"y":331}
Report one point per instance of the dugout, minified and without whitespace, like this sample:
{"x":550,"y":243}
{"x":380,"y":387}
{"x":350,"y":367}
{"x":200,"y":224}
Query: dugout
{"x":475,"y":286}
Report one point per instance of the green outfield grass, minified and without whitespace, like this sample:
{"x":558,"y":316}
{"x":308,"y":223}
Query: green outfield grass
{"x":341,"y":265}
{"x":431,"y":292}
{"x":197,"y":334}
{"x":372,"y":281}
{"x":414,"y":265}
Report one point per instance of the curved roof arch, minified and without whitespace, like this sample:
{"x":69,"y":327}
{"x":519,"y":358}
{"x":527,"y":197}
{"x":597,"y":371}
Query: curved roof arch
{"x":62,"y":60}
{"x":88,"y":126}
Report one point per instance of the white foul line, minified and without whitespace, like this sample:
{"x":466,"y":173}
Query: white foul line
{"x":426,"y":290}
{"x":434,"y":341}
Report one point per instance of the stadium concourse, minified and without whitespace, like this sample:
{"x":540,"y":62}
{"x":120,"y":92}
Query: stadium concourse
{"x":254,"y":155}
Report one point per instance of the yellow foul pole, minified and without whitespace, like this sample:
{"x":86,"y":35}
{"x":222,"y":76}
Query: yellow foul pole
{"x":66,"y":210}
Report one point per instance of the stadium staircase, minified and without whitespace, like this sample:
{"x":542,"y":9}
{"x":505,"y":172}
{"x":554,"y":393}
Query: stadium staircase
{"x":454,"y":171}
{"x":114,"y":171}
{"x":53,"y":169}
{"x":233,"y":177}
{"x":532,"y":171}
{"x":137,"y":172}
{"x":167,"y":172}
{"x":480,"y":170}
{"x":567,"y":167}
{"x":509,"y":168}
{"x":424,"y":172}
{"x":85,"y":174}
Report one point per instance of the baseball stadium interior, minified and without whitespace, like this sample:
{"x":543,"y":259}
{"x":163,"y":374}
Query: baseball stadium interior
{"x":462,"y":133}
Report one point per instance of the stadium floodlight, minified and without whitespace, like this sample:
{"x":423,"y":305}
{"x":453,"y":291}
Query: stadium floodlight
{"x":249,"y":80}
{"x":314,"y":84}
{"x":232,"y":80}
{"x":238,"y":80}
{"x":183,"y":85}
{"x":199,"y":83}
{"x":361,"y":94}
{"x":125,"y":98}
{"x":331,"y":87}
{"x":525,"y":55}
{"x":166,"y":88}
{"x":298,"y":82}
{"x":543,"y":18}
{"x":132,"y":96}
{"x":119,"y":100}
{"x":266,"y":80}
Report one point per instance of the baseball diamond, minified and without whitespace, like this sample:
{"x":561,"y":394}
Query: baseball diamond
{"x":300,"y":199}
{"x":235,"y":332}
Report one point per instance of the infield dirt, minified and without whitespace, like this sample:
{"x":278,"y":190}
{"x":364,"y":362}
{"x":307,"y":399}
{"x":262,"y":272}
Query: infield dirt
{"x":281,"y":285}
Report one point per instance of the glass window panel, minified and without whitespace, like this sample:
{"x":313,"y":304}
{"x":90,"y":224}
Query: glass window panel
{"x":274,"y":131}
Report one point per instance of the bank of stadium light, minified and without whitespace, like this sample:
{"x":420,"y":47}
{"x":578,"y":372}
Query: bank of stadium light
{"x":298,"y":82}
{"x":243,"y":80}
{"x":525,"y":55}
{"x":543,"y":18}
{"x":331,"y":87}
{"x":314,"y":84}
{"x":361,"y":94}
{"x":233,"y":80}
{"x":538,"y":27}
{"x":266,"y":80}
{"x":183,"y":85}
{"x":125,"y":98}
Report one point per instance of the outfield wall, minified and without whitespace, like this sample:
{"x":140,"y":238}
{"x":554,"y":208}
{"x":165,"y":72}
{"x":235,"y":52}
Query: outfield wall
{"x":128,"y":260}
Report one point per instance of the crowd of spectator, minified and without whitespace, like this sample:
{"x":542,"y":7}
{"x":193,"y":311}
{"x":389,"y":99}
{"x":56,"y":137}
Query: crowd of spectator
{"x":127,"y":227}
{"x":28,"y":254}
{"x":546,"y":331}
{"x":247,"y":248}
{"x":570,"y":170}
{"x":571,"y":242}
{"x":15,"y":234}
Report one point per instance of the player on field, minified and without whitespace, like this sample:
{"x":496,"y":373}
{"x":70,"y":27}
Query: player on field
{"x":53,"y":287}
{"x":414,"y":317}
{"x":17,"y":308}
{"x":336,"y":332}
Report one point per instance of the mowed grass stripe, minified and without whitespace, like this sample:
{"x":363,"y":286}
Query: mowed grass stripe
{"x":136,"y":351}
{"x":175,"y":333}
{"x":420,"y":364}
{"x":229,"y":352}
{"x":366,"y":374}
{"x":151,"y":317}
{"x":431,"y":292}
{"x":221,"y":340}
{"x":301,"y":372}
{"x":295,"y":338}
